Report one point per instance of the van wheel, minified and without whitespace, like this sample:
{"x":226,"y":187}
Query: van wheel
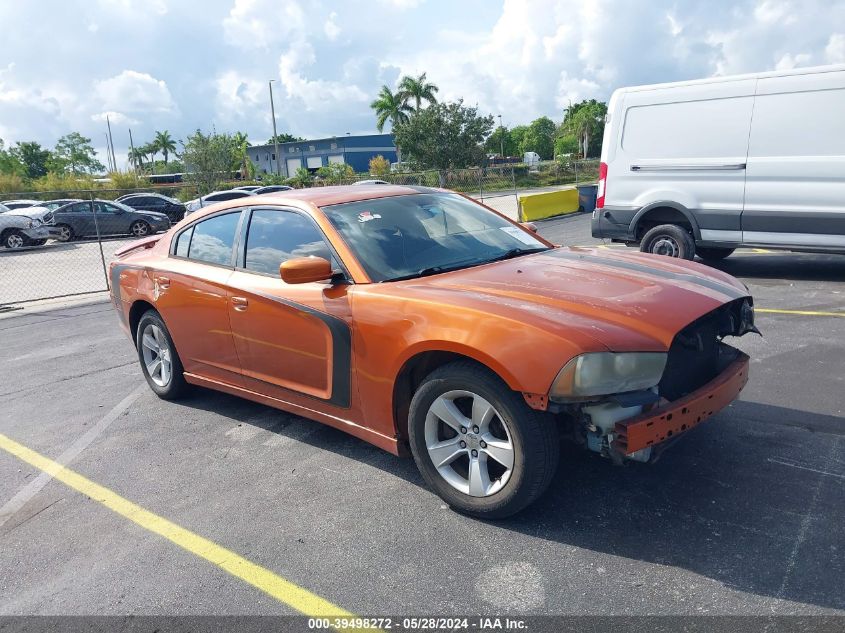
{"x":670,"y":240}
{"x":477,"y":444}
{"x":713,"y":254}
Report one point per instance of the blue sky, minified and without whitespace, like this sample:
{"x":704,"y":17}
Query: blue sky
{"x":179,"y":65}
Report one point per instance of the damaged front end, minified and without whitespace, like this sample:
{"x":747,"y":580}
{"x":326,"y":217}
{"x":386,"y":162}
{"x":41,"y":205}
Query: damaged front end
{"x":629,"y":406}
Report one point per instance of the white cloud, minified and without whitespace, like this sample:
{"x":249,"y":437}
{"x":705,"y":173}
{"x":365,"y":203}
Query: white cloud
{"x":834,"y":52}
{"x":331,"y":28}
{"x":315,"y":95}
{"x":403,"y":4}
{"x":787,"y":62}
{"x":772,"y":12}
{"x":261,"y":24}
{"x":115,"y":118}
{"x":134,"y":92}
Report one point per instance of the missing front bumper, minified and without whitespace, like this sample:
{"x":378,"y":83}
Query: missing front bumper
{"x":669,"y":420}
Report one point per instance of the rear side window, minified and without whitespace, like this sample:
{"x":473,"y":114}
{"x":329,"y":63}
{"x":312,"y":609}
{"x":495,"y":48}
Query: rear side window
{"x":712,"y":128}
{"x":229,"y":195}
{"x":183,"y":242}
{"x":276,"y":236}
{"x":213,"y":239}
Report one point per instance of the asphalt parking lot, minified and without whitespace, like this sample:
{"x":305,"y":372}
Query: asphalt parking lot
{"x":743,"y":516}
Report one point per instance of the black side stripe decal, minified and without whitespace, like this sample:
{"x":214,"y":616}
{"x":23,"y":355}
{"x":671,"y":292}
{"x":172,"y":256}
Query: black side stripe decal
{"x":341,"y":349}
{"x":733,"y":293}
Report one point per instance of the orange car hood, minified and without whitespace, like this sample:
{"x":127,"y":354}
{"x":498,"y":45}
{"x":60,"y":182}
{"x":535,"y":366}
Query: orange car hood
{"x":622,"y":300}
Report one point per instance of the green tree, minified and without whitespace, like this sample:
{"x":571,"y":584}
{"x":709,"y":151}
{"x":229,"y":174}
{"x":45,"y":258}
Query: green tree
{"x":302,"y":178}
{"x":517,"y":134}
{"x":34,"y":158}
{"x":74,"y":153}
{"x":284,"y":138}
{"x":585,"y":121}
{"x":390,"y":106}
{"x":242,"y":161}
{"x":379,"y":166}
{"x":165,"y":144}
{"x":540,"y":138}
{"x":208,"y":159}
{"x":417,"y":89}
{"x":10,"y":165}
{"x":566,"y":144}
{"x":501,"y":137}
{"x":445,"y":136}
{"x":336,"y":172}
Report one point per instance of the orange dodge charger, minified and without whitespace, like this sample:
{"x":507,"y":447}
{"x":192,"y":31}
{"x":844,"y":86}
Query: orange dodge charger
{"x":418,"y":319}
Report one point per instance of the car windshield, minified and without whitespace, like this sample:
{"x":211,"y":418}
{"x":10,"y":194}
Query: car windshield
{"x":409,"y":236}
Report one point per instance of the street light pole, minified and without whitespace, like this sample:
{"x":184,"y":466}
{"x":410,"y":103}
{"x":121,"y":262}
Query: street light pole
{"x":275,"y":135}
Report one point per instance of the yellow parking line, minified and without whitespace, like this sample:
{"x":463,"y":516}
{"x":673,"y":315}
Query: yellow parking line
{"x":282,"y":590}
{"x":800,"y":312}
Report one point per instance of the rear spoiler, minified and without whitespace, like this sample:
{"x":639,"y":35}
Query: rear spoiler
{"x":147,"y":242}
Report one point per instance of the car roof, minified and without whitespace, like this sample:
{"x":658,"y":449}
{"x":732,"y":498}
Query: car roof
{"x":324,"y":196}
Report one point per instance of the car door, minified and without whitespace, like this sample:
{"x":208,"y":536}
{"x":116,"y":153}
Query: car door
{"x":190,"y":290}
{"x":292,"y":339}
{"x":80,"y":218}
{"x":112,"y":220}
{"x":795,"y":194}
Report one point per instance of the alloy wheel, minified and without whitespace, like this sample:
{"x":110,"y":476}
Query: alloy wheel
{"x":140,"y":229}
{"x":469,"y":443}
{"x":157,"y":355}
{"x":64,"y":233}
{"x":14,"y":240}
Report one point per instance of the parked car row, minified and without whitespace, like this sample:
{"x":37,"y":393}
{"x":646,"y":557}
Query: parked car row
{"x":231,"y":194}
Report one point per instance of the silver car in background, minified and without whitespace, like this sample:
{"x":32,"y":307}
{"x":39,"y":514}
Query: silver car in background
{"x":30,"y":226}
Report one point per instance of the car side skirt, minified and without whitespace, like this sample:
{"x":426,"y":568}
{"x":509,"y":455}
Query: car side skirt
{"x":389,"y":444}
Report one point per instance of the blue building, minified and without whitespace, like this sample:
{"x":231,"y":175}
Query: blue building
{"x":352,"y":150}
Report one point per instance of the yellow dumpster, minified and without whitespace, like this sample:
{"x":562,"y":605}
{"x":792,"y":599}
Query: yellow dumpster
{"x":536,"y":206}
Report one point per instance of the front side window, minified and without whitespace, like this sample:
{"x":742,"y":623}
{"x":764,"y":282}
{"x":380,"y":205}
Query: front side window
{"x":213,"y":239}
{"x":421,"y":234}
{"x":276,"y":236}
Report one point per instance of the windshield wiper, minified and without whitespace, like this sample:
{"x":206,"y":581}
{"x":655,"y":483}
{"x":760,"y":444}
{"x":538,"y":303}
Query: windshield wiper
{"x":433,"y":270}
{"x":516,"y":252}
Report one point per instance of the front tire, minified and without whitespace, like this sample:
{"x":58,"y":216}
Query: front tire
{"x":160,"y":362}
{"x":670,"y":240}
{"x":140,"y":228}
{"x":478,"y":444}
{"x":14,"y":239}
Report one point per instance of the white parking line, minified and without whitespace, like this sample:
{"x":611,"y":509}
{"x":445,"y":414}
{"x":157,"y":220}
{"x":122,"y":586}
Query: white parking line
{"x":22,"y":497}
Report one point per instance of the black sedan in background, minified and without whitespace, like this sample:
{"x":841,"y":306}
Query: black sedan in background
{"x":87,"y":219}
{"x":157,"y":202}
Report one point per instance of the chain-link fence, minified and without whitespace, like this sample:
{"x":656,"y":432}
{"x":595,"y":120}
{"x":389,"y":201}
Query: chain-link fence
{"x":59,"y":243}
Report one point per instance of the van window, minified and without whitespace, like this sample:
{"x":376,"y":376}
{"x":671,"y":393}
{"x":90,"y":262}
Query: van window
{"x":713,"y":128}
{"x":799,"y":124}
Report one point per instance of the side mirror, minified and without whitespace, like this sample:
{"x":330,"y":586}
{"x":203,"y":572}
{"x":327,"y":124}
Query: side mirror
{"x":530,"y":226}
{"x":303,"y":270}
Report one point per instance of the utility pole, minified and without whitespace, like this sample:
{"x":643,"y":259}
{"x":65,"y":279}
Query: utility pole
{"x":111,"y":144}
{"x":275,"y":135}
{"x":108,"y":153}
{"x":501,"y":136}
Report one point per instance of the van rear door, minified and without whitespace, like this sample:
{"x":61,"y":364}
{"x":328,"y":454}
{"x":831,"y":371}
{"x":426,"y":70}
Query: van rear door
{"x":686,"y":147}
{"x":795,"y":191}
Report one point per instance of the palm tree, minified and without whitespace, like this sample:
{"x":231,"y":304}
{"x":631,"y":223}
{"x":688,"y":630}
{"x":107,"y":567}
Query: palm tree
{"x":418,"y":89}
{"x":165,"y":144}
{"x":390,"y":106}
{"x":241,"y":144}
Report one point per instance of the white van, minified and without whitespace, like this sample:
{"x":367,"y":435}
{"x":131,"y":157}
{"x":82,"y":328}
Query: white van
{"x":703,"y":167}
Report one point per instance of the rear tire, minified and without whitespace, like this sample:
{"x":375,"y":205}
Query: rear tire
{"x":670,"y":240}
{"x":493,"y":423}
{"x":160,"y":363}
{"x":713,"y":254}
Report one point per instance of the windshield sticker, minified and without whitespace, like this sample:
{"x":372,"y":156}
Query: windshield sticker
{"x":521,"y":235}
{"x":366,"y":216}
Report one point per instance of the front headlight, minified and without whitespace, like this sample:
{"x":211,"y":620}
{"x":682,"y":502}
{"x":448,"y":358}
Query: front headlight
{"x":34,"y":224}
{"x":605,"y":373}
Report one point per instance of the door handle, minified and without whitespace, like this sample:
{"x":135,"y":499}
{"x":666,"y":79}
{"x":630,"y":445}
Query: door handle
{"x":240,"y":303}
{"x":163,"y":282}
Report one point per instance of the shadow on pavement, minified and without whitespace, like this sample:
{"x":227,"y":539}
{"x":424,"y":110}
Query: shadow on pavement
{"x":790,"y":266}
{"x":752,"y":500}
